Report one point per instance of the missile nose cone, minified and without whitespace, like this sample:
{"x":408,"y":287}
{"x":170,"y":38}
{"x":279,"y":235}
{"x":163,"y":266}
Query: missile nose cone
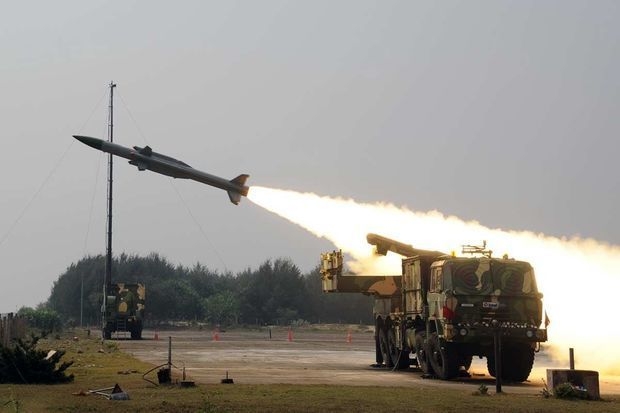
{"x":92,"y":142}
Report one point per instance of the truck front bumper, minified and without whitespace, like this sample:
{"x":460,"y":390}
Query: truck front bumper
{"x":465,"y":333}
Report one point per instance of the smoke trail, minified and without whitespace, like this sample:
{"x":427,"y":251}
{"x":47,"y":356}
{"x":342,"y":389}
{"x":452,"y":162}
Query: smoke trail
{"x":580,"y":278}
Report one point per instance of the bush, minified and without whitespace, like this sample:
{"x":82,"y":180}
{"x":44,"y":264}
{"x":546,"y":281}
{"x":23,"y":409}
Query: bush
{"x":43,"y":319}
{"x":23,"y":363}
{"x":483,"y":390}
{"x":568,"y":391}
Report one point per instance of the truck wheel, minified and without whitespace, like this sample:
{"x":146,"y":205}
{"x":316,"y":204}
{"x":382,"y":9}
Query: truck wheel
{"x":398,"y":358}
{"x":517,"y":362}
{"x":421,"y":353}
{"x":378,"y":354}
{"x":443,"y":359}
{"x":383,"y":345}
{"x":136,"y":331}
{"x":521,"y":361}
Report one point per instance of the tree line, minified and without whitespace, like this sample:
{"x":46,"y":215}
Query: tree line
{"x":274,"y":293}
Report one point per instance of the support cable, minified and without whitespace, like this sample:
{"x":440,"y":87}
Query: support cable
{"x":6,"y":235}
{"x":202,"y":231}
{"x":189,"y":211}
{"x":92,"y":204}
{"x":36,"y":194}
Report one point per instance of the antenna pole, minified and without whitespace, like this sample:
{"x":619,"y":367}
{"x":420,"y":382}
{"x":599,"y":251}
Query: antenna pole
{"x":108,"y":261}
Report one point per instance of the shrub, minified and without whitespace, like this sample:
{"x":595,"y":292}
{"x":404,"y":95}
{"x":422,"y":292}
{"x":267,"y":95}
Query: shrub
{"x":24,"y":363}
{"x":568,"y":391}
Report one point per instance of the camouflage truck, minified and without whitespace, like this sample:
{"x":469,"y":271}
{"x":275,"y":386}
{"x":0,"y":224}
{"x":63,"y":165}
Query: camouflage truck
{"x":443,"y":310}
{"x":124,"y":310}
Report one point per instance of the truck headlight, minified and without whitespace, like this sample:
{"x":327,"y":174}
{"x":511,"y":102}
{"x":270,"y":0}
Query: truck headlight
{"x":463,"y":331}
{"x":529,"y":333}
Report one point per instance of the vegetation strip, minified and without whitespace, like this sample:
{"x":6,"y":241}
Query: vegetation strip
{"x":274,"y":293}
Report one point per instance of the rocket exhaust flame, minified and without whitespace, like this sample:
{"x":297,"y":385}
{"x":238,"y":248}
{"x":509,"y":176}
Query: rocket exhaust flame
{"x":580,"y":278}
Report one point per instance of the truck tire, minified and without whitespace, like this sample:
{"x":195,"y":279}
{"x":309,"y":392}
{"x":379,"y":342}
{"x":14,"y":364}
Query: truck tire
{"x":520,"y":364}
{"x":136,"y":331}
{"x":399,"y":359}
{"x":517,"y":362}
{"x":383,"y":345}
{"x":378,"y":354}
{"x":421,"y":353}
{"x":443,"y":359}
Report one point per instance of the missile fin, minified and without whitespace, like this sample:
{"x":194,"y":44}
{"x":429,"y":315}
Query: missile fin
{"x":141,"y":165}
{"x":235,"y":197}
{"x":240,"y":180}
{"x":146,"y":151}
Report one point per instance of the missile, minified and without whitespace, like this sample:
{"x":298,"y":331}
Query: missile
{"x":384,"y":244}
{"x":145,"y":158}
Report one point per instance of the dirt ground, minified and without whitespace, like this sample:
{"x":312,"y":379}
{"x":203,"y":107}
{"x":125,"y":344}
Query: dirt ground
{"x":311,"y":356}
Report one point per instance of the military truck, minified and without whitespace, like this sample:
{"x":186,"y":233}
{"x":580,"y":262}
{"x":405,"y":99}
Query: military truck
{"x":443,"y":310}
{"x":124,"y":310}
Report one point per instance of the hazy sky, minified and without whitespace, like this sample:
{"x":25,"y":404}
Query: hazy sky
{"x":499,"y":111}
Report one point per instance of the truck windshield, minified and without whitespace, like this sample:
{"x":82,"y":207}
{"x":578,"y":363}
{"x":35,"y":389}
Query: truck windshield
{"x":486,"y":277}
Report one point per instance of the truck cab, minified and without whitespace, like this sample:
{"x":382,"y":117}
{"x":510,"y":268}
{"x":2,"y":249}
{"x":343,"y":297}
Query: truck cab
{"x":468,"y":301}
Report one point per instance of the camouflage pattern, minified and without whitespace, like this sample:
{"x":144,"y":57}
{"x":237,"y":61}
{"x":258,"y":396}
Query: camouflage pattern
{"x":446,"y":309}
{"x":459,"y":292}
{"x":125,"y":309}
{"x":129,"y":299}
{"x":486,"y":276}
{"x":472,"y":292}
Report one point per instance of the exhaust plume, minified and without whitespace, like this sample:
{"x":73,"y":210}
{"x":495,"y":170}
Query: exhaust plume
{"x":580,"y":278}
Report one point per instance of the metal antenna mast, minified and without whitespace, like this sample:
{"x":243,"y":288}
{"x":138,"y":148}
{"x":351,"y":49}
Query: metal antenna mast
{"x":108,"y":258}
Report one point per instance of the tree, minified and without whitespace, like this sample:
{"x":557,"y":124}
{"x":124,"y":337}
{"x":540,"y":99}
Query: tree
{"x":66,"y":295}
{"x":336,"y":308}
{"x":173,"y":299}
{"x":222,"y":308}
{"x":274,"y":293}
{"x":44,"y":319}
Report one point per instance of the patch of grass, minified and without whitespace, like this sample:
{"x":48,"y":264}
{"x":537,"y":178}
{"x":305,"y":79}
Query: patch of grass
{"x":545,"y":392}
{"x":483,"y":390}
{"x":94,"y":369}
{"x":568,"y":391}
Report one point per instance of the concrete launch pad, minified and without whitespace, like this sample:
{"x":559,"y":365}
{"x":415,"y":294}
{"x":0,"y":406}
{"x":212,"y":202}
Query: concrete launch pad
{"x":311,"y":357}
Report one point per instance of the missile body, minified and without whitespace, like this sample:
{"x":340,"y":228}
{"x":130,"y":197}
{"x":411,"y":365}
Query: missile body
{"x":384,"y":244}
{"x":145,"y":158}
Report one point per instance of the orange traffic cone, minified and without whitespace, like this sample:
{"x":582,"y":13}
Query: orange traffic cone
{"x":156,"y":336}
{"x":290,"y":334}
{"x":349,"y":337}
{"x":216,"y":335}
